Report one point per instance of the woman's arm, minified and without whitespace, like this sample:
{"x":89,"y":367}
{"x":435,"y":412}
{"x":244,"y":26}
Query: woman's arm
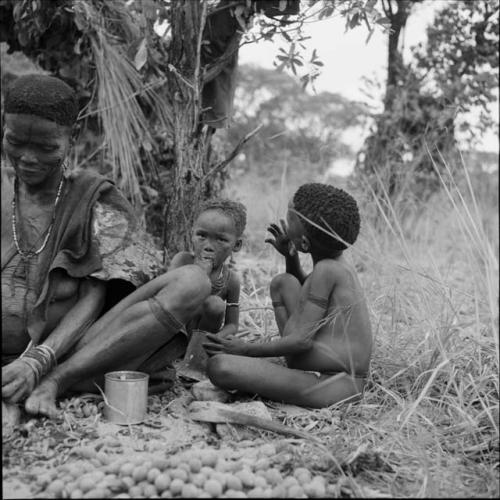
{"x":91,"y":297}
{"x":18,"y":380}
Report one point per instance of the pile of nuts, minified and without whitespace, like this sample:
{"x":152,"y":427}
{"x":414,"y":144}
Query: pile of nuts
{"x":198,"y":473}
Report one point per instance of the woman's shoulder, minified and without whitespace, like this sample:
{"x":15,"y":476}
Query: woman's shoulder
{"x":127,"y":251}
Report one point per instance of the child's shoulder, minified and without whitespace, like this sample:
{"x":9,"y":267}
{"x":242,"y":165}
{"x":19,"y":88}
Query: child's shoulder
{"x":331,"y":268}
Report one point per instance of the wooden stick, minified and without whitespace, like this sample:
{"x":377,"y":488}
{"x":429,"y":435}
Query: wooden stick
{"x":219,"y":415}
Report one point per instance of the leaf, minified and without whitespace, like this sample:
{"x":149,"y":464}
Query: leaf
{"x":384,"y":21}
{"x":354,"y":21}
{"x":141,"y":56}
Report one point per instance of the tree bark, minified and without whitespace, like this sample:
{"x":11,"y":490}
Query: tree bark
{"x":191,"y":141}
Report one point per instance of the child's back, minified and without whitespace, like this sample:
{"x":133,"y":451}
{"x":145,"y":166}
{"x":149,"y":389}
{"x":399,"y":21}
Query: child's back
{"x":343,"y":342}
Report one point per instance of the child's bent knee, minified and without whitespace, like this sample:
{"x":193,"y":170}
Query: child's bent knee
{"x":219,"y":370}
{"x":281,"y":281}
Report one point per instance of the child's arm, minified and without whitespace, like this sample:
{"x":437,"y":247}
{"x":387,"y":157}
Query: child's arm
{"x":232,"y":317}
{"x":282,"y":242}
{"x":299,"y":330}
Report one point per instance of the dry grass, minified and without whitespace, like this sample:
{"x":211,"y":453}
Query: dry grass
{"x":428,"y":424}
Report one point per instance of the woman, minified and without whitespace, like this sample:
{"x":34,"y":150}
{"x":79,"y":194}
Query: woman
{"x":71,"y":246}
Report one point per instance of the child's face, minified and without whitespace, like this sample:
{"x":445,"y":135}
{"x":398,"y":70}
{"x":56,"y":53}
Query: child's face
{"x":214,"y":237}
{"x":296,"y":230}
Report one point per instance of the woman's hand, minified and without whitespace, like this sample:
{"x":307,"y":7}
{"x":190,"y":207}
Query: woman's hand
{"x":281,"y":241}
{"x":18,"y":381}
{"x":217,"y":345}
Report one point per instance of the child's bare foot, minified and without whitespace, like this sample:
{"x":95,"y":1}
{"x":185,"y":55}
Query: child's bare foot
{"x":43,"y":399}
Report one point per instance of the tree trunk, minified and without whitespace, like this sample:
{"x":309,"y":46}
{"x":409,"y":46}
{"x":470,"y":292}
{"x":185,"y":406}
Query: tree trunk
{"x":191,"y":140}
{"x":397,"y":11}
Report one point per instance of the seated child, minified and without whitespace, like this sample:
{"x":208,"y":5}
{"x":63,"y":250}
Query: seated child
{"x":322,"y":318}
{"x":217,"y":232}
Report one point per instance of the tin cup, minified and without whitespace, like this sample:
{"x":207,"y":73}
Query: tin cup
{"x":127,"y":397}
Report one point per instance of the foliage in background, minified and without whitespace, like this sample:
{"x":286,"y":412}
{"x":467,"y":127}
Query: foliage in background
{"x":459,"y":62}
{"x":456,"y":72}
{"x":298,"y":127}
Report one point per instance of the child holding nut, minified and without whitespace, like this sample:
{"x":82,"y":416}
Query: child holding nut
{"x":217,"y":233}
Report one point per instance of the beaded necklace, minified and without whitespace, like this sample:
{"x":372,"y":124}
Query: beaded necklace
{"x":26,"y":255}
{"x":219,"y":282}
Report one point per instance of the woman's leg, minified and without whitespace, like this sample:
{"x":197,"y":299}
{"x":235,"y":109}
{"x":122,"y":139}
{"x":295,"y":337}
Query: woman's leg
{"x":127,"y":333}
{"x":279,"y":383}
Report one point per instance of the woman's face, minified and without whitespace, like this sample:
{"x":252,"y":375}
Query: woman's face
{"x":36,"y":147}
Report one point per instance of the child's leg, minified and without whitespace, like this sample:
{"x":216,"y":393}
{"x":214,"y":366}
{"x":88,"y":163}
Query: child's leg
{"x":279,"y":383}
{"x":285,"y":293}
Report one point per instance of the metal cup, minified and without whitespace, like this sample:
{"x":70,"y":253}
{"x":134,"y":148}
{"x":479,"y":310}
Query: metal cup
{"x":127,"y":397}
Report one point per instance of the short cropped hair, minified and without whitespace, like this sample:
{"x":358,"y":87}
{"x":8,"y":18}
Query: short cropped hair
{"x":44,"y":96}
{"x":330,"y":208}
{"x":233,"y":209}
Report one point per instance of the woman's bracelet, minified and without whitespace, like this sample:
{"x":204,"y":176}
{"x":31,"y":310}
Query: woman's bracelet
{"x":41,"y":359}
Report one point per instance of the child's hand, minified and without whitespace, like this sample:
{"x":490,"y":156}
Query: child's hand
{"x":206,"y":265}
{"x":217,"y":345}
{"x":281,"y":241}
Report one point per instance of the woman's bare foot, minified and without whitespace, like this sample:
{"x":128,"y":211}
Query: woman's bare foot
{"x":43,"y":399}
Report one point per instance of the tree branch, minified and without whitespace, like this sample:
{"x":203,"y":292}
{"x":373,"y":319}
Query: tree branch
{"x":221,"y":165}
